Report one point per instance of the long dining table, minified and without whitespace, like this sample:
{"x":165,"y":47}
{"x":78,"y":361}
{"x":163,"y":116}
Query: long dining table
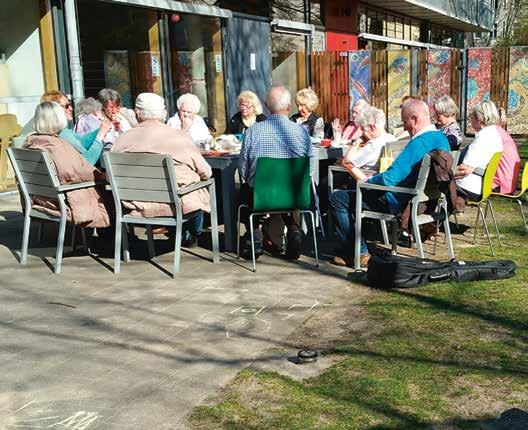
{"x":224,"y":171}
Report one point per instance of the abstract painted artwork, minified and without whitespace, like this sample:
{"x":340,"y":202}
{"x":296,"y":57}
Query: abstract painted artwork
{"x":399,"y":84}
{"x":517,"y":111}
{"x":478,"y":80}
{"x":117,"y":75}
{"x":359,"y":71}
{"x":438,"y":74}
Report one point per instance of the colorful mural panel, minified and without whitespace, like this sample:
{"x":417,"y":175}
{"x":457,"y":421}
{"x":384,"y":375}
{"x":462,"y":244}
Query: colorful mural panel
{"x":359,"y":67}
{"x":438,"y":74}
{"x":399,"y":84}
{"x":517,"y":111}
{"x":478,"y":80}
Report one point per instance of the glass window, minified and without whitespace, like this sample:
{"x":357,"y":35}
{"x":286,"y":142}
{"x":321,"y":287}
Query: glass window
{"x":197,"y":64}
{"x":251,"y":7}
{"x":293,"y":10}
{"x":120,"y":47}
{"x":288,"y":66}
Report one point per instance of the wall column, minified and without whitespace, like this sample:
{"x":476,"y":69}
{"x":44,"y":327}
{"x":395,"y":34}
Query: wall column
{"x":72,"y":35}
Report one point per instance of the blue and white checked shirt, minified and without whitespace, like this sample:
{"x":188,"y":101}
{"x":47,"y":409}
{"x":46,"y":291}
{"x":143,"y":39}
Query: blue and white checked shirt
{"x":276,"y":137}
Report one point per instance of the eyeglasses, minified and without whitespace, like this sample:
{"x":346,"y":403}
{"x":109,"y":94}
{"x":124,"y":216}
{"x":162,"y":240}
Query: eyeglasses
{"x":66,"y":106}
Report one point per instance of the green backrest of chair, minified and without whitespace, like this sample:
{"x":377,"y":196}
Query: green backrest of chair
{"x":489,"y":175}
{"x":282,"y":184}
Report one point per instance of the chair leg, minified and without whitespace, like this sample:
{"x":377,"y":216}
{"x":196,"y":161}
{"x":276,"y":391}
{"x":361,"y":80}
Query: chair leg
{"x":317,"y":208}
{"x":25,"y":238}
{"x":238,"y":232}
{"x":494,"y":221}
{"x":252,"y":243}
{"x":437,"y":231}
{"x":418,"y":239}
{"x":125,"y":246}
{"x":487,"y":232}
{"x":150,"y":242}
{"x":384,"y":232}
{"x":214,"y":227}
{"x":314,"y":239}
{"x":117,"y":246}
{"x":394,"y":232}
{"x":74,"y":234}
{"x":447,"y":233}
{"x":60,"y":244}
{"x":84,"y":241}
{"x":522,"y":215}
{"x":479,"y":212}
{"x":177,"y":248}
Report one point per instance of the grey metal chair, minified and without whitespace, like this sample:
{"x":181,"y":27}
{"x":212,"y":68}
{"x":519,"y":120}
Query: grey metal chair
{"x":424,"y":191}
{"x":151,"y":178}
{"x":36,"y":176}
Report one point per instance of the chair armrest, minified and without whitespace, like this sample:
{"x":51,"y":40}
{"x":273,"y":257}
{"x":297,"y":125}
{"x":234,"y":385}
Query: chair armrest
{"x":196,"y":186}
{"x":80,"y":185}
{"x":337,"y":169}
{"x":386,"y":188}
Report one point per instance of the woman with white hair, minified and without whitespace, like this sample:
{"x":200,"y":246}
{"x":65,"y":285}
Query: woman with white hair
{"x":351,"y":132}
{"x":88,"y":113}
{"x":479,"y":152}
{"x":249,"y":112}
{"x":307,"y":101}
{"x":446,"y":111}
{"x":86,"y":205}
{"x":188,"y":120}
{"x":364,"y":162}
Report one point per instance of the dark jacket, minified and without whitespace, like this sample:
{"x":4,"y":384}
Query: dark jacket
{"x":309,"y":124}
{"x":236,"y":125}
{"x":440,"y":172}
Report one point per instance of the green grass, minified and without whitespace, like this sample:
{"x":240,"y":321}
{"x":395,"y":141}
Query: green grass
{"x":444,"y":353}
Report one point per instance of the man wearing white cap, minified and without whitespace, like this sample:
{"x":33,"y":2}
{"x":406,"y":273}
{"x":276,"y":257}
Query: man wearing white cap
{"x":153,"y":136}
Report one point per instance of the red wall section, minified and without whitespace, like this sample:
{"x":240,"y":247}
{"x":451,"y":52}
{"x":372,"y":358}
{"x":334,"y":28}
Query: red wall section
{"x":341,"y":42}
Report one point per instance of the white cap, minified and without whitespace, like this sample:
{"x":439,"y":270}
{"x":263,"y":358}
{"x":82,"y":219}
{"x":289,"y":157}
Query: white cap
{"x":150,"y":102}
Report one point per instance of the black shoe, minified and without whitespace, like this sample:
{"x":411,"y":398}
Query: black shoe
{"x":192,"y":242}
{"x":405,"y":240}
{"x":293,"y":245}
{"x":245,"y":251}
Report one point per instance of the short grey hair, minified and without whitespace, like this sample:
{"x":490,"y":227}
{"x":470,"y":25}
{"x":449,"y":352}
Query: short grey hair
{"x":189,"y":99}
{"x":278,"y":99}
{"x":109,"y":95}
{"x":88,"y":106}
{"x":50,"y":118}
{"x":371,"y":116}
{"x":445,"y":105}
{"x":486,"y":113}
{"x":146,"y":115}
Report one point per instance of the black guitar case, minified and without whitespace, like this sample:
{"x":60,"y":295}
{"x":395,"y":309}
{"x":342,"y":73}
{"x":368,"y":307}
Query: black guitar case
{"x":392,"y":271}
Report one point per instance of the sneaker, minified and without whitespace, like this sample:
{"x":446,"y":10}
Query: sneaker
{"x":342,"y":261}
{"x":293,"y":245}
{"x":245,"y":251}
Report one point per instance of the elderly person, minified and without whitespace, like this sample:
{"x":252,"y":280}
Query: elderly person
{"x":249,"y":112}
{"x":152,"y":135}
{"x":402,"y":173}
{"x":307,"y":101}
{"x":478,"y":153}
{"x":277,"y":137}
{"x":351,"y":132}
{"x":363,"y":162}
{"x":85,"y":206}
{"x":89,"y":116}
{"x":88,"y":144}
{"x":446,"y":111}
{"x":507,"y":175}
{"x":121,"y":118}
{"x":188,"y":120}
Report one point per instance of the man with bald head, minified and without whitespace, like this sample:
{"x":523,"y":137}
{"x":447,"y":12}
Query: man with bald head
{"x":276,"y":137}
{"x":403,"y":173}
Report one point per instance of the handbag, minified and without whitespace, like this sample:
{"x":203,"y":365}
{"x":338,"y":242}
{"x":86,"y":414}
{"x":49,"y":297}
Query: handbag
{"x":386,"y":160}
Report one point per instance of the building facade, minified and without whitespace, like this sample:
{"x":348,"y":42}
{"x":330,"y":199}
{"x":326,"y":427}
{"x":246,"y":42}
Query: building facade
{"x":212,"y":48}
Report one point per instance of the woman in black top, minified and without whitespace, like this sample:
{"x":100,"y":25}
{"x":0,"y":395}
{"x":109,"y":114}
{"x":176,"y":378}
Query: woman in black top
{"x":307,"y":101}
{"x":249,"y":112}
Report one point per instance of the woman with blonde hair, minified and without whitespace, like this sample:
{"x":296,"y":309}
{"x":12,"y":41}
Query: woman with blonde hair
{"x":249,"y":112}
{"x":307,"y":102}
{"x":86,"y":206}
{"x":479,"y":152}
{"x":446,"y":111}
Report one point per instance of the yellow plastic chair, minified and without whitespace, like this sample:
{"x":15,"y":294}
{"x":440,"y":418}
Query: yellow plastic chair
{"x":518,"y":195}
{"x":487,"y":185}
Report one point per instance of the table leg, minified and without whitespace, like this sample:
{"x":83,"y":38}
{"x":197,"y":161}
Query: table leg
{"x":229,"y":206}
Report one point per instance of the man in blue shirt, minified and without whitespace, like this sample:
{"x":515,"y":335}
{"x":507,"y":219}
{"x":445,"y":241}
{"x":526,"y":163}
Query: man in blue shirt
{"x":403,"y":173}
{"x":276,"y":137}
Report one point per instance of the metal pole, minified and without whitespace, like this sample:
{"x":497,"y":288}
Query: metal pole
{"x":72,"y":36}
